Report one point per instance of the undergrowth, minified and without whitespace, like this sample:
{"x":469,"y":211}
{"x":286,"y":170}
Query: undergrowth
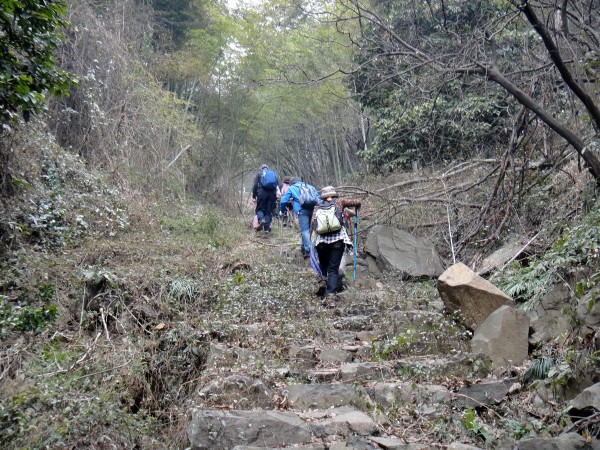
{"x":573,"y":258}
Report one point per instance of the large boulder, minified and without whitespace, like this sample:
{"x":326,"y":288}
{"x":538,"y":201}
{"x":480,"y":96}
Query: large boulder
{"x":568,"y":441}
{"x":397,"y":250}
{"x":239,"y":390}
{"x":324,"y":396}
{"x":588,"y":309}
{"x":469,"y":296}
{"x":500,"y":257}
{"x":547,"y":316}
{"x":217,"y":429}
{"x":503,"y":337}
{"x":479,"y":394}
{"x":588,"y":399}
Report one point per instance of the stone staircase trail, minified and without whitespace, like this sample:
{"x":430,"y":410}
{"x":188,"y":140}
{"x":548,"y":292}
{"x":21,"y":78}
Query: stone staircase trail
{"x":378,"y":371}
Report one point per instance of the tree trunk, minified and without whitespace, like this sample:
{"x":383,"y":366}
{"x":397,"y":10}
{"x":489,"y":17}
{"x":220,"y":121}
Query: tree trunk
{"x":590,"y":158}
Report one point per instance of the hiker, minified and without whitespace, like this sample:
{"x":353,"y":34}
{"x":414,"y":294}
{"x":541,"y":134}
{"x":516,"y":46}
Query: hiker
{"x":289,"y":205}
{"x":331,"y":239}
{"x":305,"y":197}
{"x":264,"y":193}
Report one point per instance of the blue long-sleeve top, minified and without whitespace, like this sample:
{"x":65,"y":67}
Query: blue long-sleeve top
{"x":293,"y":192}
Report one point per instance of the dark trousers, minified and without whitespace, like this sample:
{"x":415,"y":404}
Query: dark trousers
{"x":265,"y":205}
{"x":330,"y":257}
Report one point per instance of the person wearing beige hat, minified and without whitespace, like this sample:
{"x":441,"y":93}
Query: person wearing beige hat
{"x":331,"y":243}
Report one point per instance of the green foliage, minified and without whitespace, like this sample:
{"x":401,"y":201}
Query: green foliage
{"x":538,"y":369}
{"x":18,"y":317}
{"x":571,"y":257}
{"x":562,"y":374}
{"x":182,"y":289}
{"x":453,"y":125}
{"x":472,"y":423}
{"x":401,"y":344}
{"x":518,"y":429}
{"x":176,"y":18}
{"x":28,"y":68}
{"x":48,"y":415}
{"x":99,"y":279}
{"x":67,"y":203}
{"x":210,"y":228}
{"x":425,"y":334}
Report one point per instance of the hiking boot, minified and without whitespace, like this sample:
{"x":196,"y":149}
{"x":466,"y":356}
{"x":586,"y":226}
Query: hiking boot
{"x":261,"y":225}
{"x":321,"y":288}
{"x":330,"y":300}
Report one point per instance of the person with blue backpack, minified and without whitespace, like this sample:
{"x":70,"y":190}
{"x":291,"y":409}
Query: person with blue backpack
{"x":264,"y":194}
{"x":305,"y":197}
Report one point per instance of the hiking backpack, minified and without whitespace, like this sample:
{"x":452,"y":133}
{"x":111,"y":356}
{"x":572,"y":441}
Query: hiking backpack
{"x":328,"y":219}
{"x":308,"y":196}
{"x":268,"y":180}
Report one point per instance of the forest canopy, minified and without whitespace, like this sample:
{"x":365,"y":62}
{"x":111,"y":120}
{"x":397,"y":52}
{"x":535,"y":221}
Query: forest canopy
{"x":318,"y":89}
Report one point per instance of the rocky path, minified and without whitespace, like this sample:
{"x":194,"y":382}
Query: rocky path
{"x":384,"y":369}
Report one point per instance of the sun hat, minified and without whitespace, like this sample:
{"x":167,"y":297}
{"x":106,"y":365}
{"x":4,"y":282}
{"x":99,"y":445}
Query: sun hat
{"x":328,"y":191}
{"x":264,"y":166}
{"x":294,"y":180}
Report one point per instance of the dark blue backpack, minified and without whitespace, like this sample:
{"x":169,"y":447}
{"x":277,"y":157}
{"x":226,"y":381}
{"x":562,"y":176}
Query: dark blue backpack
{"x":268,"y":180}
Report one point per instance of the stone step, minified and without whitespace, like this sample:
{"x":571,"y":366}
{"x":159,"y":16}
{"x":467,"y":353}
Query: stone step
{"x":332,"y":429}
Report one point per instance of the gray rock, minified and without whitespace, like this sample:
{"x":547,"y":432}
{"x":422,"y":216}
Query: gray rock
{"x":397,"y":250}
{"x":389,"y":394}
{"x":296,"y":447}
{"x":303,"y":357}
{"x":587,"y":399}
{"x":568,"y":441}
{"x":481,"y":394}
{"x":372,"y":266}
{"x":334,"y":356}
{"x":322,"y":375}
{"x":363,"y":371}
{"x":461,"y":446}
{"x":588,"y":309}
{"x":343,"y":421}
{"x":397,"y":444}
{"x":221,"y":355}
{"x":323,"y":396}
{"x":503,"y":336}
{"x":388,"y":443}
{"x":241,"y":391}
{"x":547,"y":316}
{"x":470,"y":296}
{"x":217,"y":429}
{"x":500,"y":257}
{"x":460,"y":365}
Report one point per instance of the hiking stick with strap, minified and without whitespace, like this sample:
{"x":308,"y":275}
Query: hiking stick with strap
{"x":280,"y":220}
{"x":355,"y":220}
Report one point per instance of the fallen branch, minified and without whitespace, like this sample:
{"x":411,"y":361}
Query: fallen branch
{"x":81,"y":359}
{"x":586,"y":420}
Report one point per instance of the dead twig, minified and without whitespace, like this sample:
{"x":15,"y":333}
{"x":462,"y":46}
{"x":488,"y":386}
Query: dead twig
{"x":81,"y":359}
{"x":586,"y":420}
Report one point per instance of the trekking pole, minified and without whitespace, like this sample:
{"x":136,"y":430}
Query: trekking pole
{"x":280,"y":234}
{"x":355,"y":238}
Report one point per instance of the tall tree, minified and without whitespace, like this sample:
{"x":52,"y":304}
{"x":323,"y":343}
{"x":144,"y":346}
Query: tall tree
{"x":29,"y":35}
{"x":518,"y":45}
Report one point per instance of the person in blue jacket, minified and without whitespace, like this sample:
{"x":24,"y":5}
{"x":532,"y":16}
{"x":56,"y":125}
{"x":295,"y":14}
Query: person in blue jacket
{"x":265,"y":198}
{"x":303,"y":210}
